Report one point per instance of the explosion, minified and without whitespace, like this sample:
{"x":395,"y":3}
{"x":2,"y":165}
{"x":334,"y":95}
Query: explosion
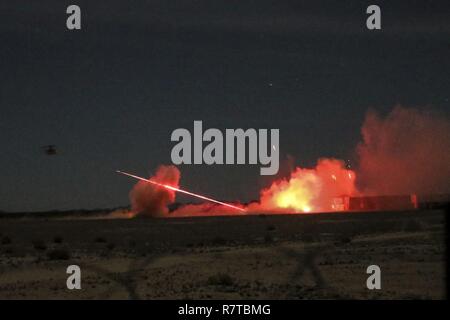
{"x":309,"y":190}
{"x":407,"y":152}
{"x":176,"y":189}
{"x":152,"y":200}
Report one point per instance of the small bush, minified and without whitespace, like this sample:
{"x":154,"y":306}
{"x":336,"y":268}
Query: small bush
{"x":268,"y":238}
{"x":220,"y":279}
{"x":6,"y":240}
{"x":110,"y":246}
{"x":58,"y":254}
{"x":308,"y":237}
{"x":57,"y":239}
{"x":271,"y":228}
{"x":39,"y":245}
{"x":100,"y":240}
{"x":218,"y":241}
{"x":345,"y":239}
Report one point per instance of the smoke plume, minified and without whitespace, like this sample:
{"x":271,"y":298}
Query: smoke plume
{"x":408,"y":151}
{"x":151,"y":200}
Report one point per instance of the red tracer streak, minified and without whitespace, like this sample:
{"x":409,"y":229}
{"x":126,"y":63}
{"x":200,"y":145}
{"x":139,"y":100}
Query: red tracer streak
{"x":180,"y":190}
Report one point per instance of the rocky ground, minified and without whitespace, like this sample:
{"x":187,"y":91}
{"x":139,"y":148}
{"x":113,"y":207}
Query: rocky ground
{"x":317,"y":256}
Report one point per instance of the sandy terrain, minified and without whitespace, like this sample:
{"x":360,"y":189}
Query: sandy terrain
{"x":321,"y":256}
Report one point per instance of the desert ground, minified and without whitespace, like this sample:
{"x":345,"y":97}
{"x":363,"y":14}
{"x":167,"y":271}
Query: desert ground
{"x":309,"y":256}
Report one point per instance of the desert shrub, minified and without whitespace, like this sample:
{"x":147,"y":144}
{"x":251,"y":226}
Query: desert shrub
{"x":57,"y":239}
{"x":220,"y":279}
{"x":6,"y":240}
{"x":308,"y":237}
{"x":100,"y":240}
{"x":39,"y":245}
{"x":218,"y":241}
{"x":346,"y":239}
{"x":268,"y":238}
{"x":58,"y":254}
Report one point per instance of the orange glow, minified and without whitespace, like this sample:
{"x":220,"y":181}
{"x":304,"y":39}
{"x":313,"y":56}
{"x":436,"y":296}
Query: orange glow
{"x":180,"y":190}
{"x":319,"y":189}
{"x":309,"y":190}
{"x":296,"y":193}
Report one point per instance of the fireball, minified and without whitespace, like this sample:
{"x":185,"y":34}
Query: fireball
{"x":309,"y":190}
{"x":297,"y":194}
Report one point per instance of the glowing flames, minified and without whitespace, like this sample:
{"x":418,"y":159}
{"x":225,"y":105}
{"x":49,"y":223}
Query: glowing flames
{"x":296,"y":194}
{"x":306,"y":190}
{"x":309,"y":190}
{"x":406,"y":152}
{"x":175,"y":189}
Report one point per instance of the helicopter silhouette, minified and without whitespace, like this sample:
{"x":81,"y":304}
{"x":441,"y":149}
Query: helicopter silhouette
{"x":49,"y":150}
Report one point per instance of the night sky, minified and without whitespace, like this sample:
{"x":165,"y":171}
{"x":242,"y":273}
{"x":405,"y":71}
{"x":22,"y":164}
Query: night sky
{"x":109,"y":95}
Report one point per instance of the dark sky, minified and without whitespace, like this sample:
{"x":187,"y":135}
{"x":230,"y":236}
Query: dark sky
{"x":110,"y":95}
